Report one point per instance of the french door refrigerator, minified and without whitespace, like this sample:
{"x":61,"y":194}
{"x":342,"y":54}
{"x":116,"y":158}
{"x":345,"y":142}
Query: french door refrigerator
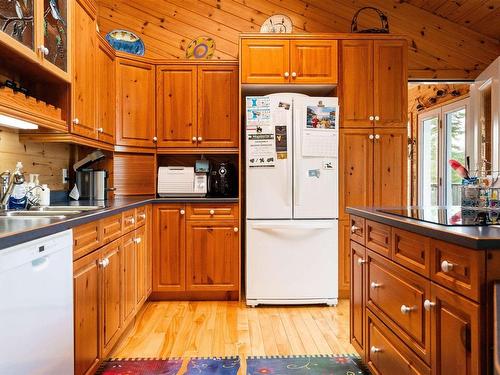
{"x":291,"y":199}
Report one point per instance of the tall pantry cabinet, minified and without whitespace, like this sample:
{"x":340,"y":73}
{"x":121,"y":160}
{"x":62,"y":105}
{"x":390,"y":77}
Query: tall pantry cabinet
{"x":373,"y":132}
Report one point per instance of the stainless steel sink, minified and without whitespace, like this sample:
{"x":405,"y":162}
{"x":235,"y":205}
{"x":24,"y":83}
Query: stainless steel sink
{"x":65,"y":208}
{"x":38,"y":214}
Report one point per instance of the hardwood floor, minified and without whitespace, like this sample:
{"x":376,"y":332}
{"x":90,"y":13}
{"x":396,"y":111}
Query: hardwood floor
{"x":203,"y":329}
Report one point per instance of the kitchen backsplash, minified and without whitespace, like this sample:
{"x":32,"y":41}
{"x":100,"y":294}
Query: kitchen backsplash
{"x":47,"y":160}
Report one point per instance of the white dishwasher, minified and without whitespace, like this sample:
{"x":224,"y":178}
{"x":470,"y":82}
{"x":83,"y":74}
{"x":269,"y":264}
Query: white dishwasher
{"x":36,"y":307}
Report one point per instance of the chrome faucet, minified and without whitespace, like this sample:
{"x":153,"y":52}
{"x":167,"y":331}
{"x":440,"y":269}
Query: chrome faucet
{"x":32,"y":199}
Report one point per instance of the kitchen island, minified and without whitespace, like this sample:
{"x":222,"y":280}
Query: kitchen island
{"x":422,"y":292}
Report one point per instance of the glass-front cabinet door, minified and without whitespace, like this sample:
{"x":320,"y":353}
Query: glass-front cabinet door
{"x":55,"y":33}
{"x":17,"y":20}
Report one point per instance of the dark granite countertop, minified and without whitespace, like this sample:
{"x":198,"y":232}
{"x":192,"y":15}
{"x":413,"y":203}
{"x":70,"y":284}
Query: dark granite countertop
{"x":474,"y":237}
{"x":14,"y":231}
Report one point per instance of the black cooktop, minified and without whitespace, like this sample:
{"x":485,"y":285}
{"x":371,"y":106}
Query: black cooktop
{"x":449,"y":216}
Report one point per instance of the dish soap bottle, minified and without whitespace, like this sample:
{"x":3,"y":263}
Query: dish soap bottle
{"x":45,"y":196}
{"x":18,"y":197}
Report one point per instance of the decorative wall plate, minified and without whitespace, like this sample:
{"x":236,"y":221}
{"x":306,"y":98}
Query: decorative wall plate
{"x":126,"y":41}
{"x":202,"y":47}
{"x":278,"y":24}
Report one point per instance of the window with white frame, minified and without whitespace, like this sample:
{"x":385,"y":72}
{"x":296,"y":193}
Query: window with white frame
{"x":443,"y":133}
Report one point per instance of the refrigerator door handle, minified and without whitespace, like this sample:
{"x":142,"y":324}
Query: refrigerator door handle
{"x":278,"y":226}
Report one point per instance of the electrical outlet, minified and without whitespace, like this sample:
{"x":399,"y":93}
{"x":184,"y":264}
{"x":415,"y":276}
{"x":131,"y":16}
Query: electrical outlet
{"x":64,"y":175}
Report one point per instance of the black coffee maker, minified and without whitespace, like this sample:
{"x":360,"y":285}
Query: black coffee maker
{"x":222,"y":180}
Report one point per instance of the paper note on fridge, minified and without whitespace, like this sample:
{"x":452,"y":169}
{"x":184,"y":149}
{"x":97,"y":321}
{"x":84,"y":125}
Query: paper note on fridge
{"x":258,"y":111}
{"x":261,"y":150}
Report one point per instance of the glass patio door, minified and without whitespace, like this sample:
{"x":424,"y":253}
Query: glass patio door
{"x":442,"y":134}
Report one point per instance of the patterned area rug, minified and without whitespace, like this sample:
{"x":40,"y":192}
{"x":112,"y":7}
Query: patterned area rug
{"x":306,"y":365}
{"x":140,"y":366}
{"x":219,"y":366}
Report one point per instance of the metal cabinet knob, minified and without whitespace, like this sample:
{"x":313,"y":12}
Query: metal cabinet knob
{"x":294,"y":75}
{"x":377,"y":118}
{"x":235,"y":229}
{"x":194,"y":139}
{"x":371,"y":136}
{"x":446,"y":266}
{"x":286,"y":74}
{"x":131,"y":220}
{"x":354,"y":228}
{"x":374,"y":350}
{"x":155,"y":139}
{"x":104,"y":262}
{"x":100,"y":130}
{"x":142,"y":216}
{"x":44,"y":50}
{"x":371,"y":118}
{"x":212,"y":212}
{"x":200,"y":139}
{"x":375,"y":285}
{"x":428,"y":305}
{"x":76,"y":121}
{"x":138,"y":240}
{"x":362,"y":261}
{"x":182,"y":212}
{"x":377,"y":136}
{"x":406,"y":309}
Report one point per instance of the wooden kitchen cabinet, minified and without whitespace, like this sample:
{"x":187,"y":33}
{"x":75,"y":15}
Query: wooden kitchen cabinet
{"x":313,"y":61}
{"x":218,"y":106}
{"x":106,"y":92}
{"x":374,"y":83}
{"x":358,"y":298}
{"x":141,"y":284}
{"x":176,"y":90}
{"x":135,"y":125}
{"x":207,"y":97}
{"x":212,"y":261}
{"x":129,"y":259}
{"x":83,"y":87}
{"x":111,"y":301}
{"x":86,"y":313}
{"x":265,"y":60}
{"x":169,"y":244}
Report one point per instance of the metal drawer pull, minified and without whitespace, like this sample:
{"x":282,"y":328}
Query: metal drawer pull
{"x":377,"y":118}
{"x":104,"y":263}
{"x":406,"y":309}
{"x":371,"y":118}
{"x":362,"y":261}
{"x":287,"y":74}
{"x":374,"y":285}
{"x":428,"y":305}
{"x":354,"y":228}
{"x":100,"y":130}
{"x":131,"y":220}
{"x":194,"y":139}
{"x":374,"y":350}
{"x":142,"y":216}
{"x":235,"y":229}
{"x":138,"y":240}
{"x":212,"y":212}
{"x":446,"y":266}
{"x":377,"y":136}
{"x":294,"y":74}
{"x":200,"y":139}
{"x":371,"y":136}
{"x":182,"y":212}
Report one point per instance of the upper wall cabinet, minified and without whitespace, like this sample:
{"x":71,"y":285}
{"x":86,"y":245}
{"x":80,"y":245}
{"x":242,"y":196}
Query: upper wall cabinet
{"x":106,"y":92}
{"x":207,"y":98}
{"x":136,"y":108}
{"x":40,"y":31}
{"x":374,"y":83}
{"x":304,"y":61}
{"x":83,"y":94}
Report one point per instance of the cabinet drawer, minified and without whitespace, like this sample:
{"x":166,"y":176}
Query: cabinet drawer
{"x":458,"y":268}
{"x":387,"y":354}
{"x":397,"y":296}
{"x":212,"y":211}
{"x":86,"y":238}
{"x":412,"y":251}
{"x":128,"y":220}
{"x":378,"y":237}
{"x":111,"y":228}
{"x":357,"y":229}
{"x":141,"y":216}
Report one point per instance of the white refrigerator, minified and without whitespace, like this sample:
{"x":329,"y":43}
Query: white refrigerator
{"x":291,"y":199}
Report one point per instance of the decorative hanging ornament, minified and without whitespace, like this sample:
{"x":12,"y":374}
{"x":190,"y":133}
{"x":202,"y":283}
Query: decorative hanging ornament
{"x":202,"y":47}
{"x":277,"y":24}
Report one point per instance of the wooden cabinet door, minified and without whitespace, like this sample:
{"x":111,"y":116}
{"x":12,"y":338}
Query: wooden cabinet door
{"x":390,"y":83}
{"x":358,"y":301}
{"x":356,"y":169}
{"x":141,"y":266}
{"x":111,"y":302}
{"x":314,"y":61}
{"x":265,"y":61}
{"x":83,"y":93}
{"x":106,"y":92}
{"x":129,"y":277}
{"x":344,"y":259}
{"x":212,"y":262}
{"x":169,"y":257}
{"x":136,"y":107}
{"x":390,"y":167}
{"x":176,"y":105}
{"x":456,"y":334}
{"x":86,"y":313}
{"x":356,"y":83}
{"x":218,"y":106}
